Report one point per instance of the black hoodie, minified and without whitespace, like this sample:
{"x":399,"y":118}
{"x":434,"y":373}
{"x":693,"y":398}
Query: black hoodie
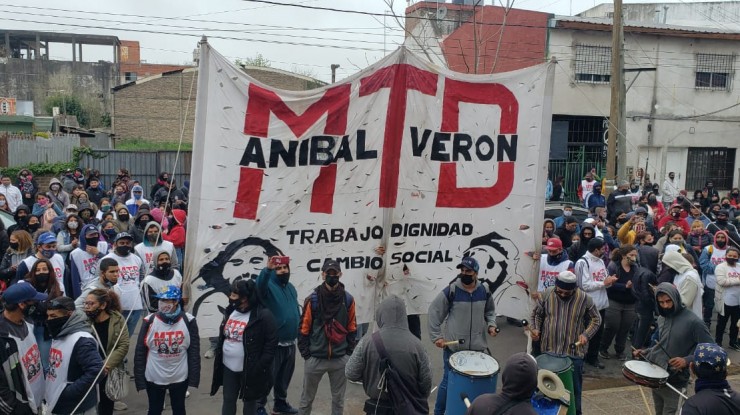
{"x":519,"y":381}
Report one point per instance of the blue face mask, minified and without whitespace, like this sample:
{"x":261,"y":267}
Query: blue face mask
{"x":137,"y":196}
{"x":48,"y":253}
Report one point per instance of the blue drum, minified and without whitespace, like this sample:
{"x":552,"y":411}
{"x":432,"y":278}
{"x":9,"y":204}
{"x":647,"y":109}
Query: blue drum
{"x":546,"y":406}
{"x":473,"y":373}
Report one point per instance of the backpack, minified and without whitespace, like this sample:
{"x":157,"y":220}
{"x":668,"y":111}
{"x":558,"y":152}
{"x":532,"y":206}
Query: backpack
{"x":450,"y":292}
{"x":405,"y":398}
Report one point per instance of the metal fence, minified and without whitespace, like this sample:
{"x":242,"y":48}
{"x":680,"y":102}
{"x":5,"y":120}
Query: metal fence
{"x":143,"y":166}
{"x":580,"y":160}
{"x":22,"y":150}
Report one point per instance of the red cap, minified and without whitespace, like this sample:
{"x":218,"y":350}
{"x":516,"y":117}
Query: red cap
{"x":554,"y":243}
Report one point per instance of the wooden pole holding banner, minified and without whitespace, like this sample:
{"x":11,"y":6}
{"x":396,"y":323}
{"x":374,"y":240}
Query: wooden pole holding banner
{"x":616,"y":150}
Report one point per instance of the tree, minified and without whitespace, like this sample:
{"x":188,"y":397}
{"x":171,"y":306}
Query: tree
{"x":258,"y":60}
{"x":69,"y":105}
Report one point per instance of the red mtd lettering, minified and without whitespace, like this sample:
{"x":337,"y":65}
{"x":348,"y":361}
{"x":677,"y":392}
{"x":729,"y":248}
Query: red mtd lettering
{"x":262,"y":102}
{"x":449,"y":194}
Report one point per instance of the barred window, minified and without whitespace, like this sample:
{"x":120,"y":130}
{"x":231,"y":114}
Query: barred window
{"x":714,"y":71}
{"x":593,"y":64}
{"x":715,"y":163}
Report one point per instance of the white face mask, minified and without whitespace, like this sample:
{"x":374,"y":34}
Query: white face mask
{"x":2,"y":203}
{"x":567,"y":213}
{"x":73,"y":225}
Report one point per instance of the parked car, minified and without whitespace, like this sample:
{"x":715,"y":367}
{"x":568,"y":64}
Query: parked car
{"x":555,"y":209}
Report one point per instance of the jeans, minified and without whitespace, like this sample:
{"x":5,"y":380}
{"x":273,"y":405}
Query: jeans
{"x":282,"y":372}
{"x":732,"y":313}
{"x":645,"y":319}
{"x":132,"y":321}
{"x":577,"y":382}
{"x":592,"y":355}
{"x":440,"y":406}
{"x":708,"y":301}
{"x":313,"y":370}
{"x":44,"y":346}
{"x":156,"y":394}
{"x":232,"y":382}
{"x":105,"y":404}
{"x":619,"y":319}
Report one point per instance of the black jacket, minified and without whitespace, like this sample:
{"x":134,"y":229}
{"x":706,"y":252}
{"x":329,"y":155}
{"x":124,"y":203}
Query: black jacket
{"x":641,"y":290}
{"x":713,"y":402}
{"x":142,"y":351}
{"x":647,"y":257}
{"x":13,"y":396}
{"x":260,"y":343}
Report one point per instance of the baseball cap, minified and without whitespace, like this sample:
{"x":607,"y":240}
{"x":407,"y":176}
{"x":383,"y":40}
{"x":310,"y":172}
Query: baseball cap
{"x":554,"y":243}
{"x":61,"y":303}
{"x":20,"y":292}
{"x":469,"y":263}
{"x":123,"y":235}
{"x":710,"y":361}
{"x":46,"y":238}
{"x":71,"y":207}
{"x":331,"y":265}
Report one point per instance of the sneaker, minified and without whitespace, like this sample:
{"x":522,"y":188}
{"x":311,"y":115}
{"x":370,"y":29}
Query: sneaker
{"x":356,"y":382}
{"x":622,"y":356}
{"x":209,"y":354}
{"x":261,"y":411}
{"x":187,"y":394}
{"x":604,"y":355}
{"x":284,"y":409}
{"x":596,"y":363}
{"x":119,"y":406}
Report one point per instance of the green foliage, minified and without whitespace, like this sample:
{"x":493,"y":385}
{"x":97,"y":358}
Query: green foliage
{"x":54,"y":169}
{"x":42,"y":134}
{"x":69,"y":104}
{"x":258,"y":60}
{"x":140,"y":144}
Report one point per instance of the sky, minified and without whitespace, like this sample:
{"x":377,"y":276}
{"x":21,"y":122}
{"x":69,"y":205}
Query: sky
{"x":291,"y":38}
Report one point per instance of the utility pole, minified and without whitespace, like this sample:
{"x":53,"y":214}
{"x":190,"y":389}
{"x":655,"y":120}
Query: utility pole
{"x":334,"y":67}
{"x":617,"y":146}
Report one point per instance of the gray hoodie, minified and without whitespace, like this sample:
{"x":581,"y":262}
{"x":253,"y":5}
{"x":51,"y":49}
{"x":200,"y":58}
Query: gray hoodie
{"x":519,"y":381}
{"x":680,"y":331}
{"x":468,"y":317}
{"x":406,"y":352}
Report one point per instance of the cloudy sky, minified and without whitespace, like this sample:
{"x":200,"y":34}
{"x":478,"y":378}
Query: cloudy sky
{"x":291,"y":35}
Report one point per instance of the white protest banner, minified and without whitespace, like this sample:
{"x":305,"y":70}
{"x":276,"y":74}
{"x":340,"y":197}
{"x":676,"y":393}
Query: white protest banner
{"x":429,"y":164}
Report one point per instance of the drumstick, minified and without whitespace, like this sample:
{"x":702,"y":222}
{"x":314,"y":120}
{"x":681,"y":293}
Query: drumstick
{"x":454,"y":342}
{"x":464,"y":397}
{"x":677,"y":391}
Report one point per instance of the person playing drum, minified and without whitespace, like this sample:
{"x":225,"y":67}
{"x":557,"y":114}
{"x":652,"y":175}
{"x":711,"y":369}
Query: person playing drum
{"x":558,"y":322}
{"x":681,"y":330}
{"x":468,"y":308}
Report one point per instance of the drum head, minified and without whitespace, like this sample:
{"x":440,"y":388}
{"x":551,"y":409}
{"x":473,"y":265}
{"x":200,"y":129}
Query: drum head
{"x":554,"y":363}
{"x":474,"y":364}
{"x":646,"y":369}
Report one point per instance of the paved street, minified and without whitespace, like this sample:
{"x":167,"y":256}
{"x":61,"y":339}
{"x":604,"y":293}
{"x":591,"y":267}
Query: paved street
{"x":605,"y":390}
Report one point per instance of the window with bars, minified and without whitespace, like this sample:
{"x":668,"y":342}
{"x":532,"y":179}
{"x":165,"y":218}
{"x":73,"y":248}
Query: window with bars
{"x":130,"y":76}
{"x":593,"y":64}
{"x":716,"y":164}
{"x":714,"y":71}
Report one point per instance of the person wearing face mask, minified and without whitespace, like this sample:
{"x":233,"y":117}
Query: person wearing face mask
{"x":586,"y":187}
{"x":141,"y":220}
{"x":728,"y":297}
{"x":620,"y":314}
{"x":246,"y":349}
{"x":560,"y":220}
{"x":22,"y":391}
{"x":46,"y":248}
{"x":123,"y":219}
{"x":21,"y":219}
{"x":552,"y":263}
{"x":696,"y":215}
{"x":46,"y":211}
{"x":711,"y":256}
{"x":103,"y":308}
{"x":12,"y":194}
{"x":108,"y":270}
{"x":167,"y":356}
{"x":674,"y":215}
{"x":686,"y":280}
{"x":19,"y":248}
{"x":28,"y":186}
{"x":4,"y":204}
{"x":564,"y":316}
{"x":721,"y":223}
{"x":74,"y":357}
{"x":680,"y":331}
{"x":131,"y":272}
{"x":69,"y":237}
{"x":327,"y":336}
{"x":176,"y":232}
{"x":467,"y":310}
{"x":670,"y":190}
{"x":161,"y":276}
{"x":57,"y":195}
{"x":595,"y":199}
{"x":279,"y":296}
{"x":94,"y":191}
{"x":136,"y":200}
{"x":152,"y":243}
{"x":105,"y":207}
{"x":83,"y":261}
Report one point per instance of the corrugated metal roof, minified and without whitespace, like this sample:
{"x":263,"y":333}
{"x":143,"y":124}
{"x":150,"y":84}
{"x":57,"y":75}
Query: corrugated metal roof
{"x":43,"y":123}
{"x":642,"y":25}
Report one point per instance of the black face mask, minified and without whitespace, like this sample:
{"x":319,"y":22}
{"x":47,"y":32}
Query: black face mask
{"x":55,"y":325}
{"x":284,"y":278}
{"x":466,"y":279}
{"x":93,"y":314}
{"x":233,"y":303}
{"x":676,"y":214}
{"x":91,"y":242}
{"x":33,"y":228}
{"x":164,"y":267}
{"x":29,"y":310}
{"x":720,"y":244}
{"x":726,"y":205}
{"x":110,"y":233}
{"x":123,"y":218}
{"x":152,"y":237}
{"x":14,"y":245}
{"x":731,"y":261}
{"x":42,"y":278}
{"x":123,"y":250}
{"x":332,"y":280}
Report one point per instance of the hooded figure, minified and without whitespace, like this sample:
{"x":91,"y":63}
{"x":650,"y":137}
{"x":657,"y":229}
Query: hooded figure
{"x":519,"y":381}
{"x":56,"y":194}
{"x":22,"y":212}
{"x":405,"y":352}
{"x":83,"y":260}
{"x":687,"y":281}
{"x":580,"y":247}
{"x":680,"y":332}
{"x":721,"y":223}
{"x":142,"y":218}
{"x":162,"y":275}
{"x":123,"y":218}
{"x":137,"y":199}
{"x":151,"y":244}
